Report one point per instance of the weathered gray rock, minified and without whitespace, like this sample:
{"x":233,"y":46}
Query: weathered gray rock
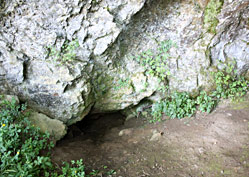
{"x":54,"y":127}
{"x":182,"y":25}
{"x":62,"y":91}
{"x":102,"y":74}
{"x":231,"y":42}
{"x":197,"y":50}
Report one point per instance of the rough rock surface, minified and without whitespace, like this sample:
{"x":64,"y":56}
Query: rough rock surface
{"x":102,"y":75}
{"x":231,"y":41}
{"x":54,"y":127}
{"x":27,"y":29}
{"x":182,"y":22}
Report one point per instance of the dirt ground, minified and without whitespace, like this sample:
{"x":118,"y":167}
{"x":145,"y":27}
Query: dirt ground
{"x":209,"y":145}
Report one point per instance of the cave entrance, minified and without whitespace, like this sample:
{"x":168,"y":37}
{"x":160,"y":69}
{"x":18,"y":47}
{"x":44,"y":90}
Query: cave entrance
{"x":98,"y":140}
{"x":95,"y":126}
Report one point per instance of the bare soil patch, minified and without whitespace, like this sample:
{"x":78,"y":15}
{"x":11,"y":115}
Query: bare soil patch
{"x":215,"y":144}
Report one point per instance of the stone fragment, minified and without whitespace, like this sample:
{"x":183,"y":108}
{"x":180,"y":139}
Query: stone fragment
{"x":55,"y":128}
{"x":156,"y":135}
{"x":125,"y":132}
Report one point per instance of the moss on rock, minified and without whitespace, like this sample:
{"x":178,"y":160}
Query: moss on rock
{"x":210,"y":16}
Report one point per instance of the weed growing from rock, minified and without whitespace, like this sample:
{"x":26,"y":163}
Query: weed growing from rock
{"x":210,"y":16}
{"x":181,"y":104}
{"x":67,"y":52}
{"x":229,"y":84}
{"x":122,"y":83}
{"x":156,"y":63}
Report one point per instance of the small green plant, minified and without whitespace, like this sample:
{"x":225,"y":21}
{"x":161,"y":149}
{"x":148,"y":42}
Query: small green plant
{"x":21,"y":144}
{"x":156,"y":63}
{"x":210,"y":15}
{"x":178,"y":105}
{"x":111,"y":172}
{"x":122,"y":83}
{"x":98,"y":172}
{"x":229,"y":84}
{"x":94,"y":173}
{"x":73,"y":169}
{"x":206,"y":103}
{"x":163,"y":88}
{"x":67,"y":52}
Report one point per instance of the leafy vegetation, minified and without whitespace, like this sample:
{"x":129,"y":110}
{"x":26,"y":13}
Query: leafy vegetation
{"x":210,"y":16}
{"x":206,"y":103}
{"x":122,"y":83}
{"x":21,"y":144}
{"x":156,"y":63}
{"x":178,"y":105}
{"x":24,"y":150}
{"x":67,"y":52}
{"x":229,"y":84}
{"x":181,"y":104}
{"x":73,"y":169}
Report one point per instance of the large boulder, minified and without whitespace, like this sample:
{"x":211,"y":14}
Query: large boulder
{"x":31,"y":30}
{"x":66,"y":58}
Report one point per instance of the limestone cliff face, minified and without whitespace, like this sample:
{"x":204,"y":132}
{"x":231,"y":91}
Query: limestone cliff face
{"x":64,"y":91}
{"x":67,"y":57}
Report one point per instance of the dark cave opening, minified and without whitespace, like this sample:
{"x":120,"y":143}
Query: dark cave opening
{"x":94,"y":126}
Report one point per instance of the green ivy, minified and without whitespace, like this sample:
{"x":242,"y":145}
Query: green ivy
{"x":181,"y":104}
{"x":206,"y":103}
{"x":178,"y":105}
{"x":156,"y":63}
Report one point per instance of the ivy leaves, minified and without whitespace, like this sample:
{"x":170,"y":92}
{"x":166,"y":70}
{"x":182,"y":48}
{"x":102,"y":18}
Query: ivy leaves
{"x":181,"y":104}
{"x":156,"y":63}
